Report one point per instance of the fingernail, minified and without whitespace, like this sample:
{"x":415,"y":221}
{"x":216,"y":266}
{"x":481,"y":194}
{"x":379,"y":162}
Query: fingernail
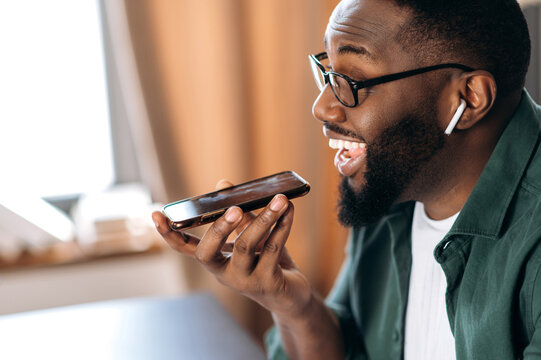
{"x":156,"y":223}
{"x":232,"y":215}
{"x":277,"y":203}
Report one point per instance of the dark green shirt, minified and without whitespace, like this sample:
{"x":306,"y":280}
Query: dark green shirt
{"x":491,"y":258}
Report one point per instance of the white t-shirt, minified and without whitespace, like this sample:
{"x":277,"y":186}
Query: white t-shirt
{"x":428,"y":333}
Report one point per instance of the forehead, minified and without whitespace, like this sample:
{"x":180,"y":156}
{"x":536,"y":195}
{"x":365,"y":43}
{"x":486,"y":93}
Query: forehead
{"x":370,"y":24}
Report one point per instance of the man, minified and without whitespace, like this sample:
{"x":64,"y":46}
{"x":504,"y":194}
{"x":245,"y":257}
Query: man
{"x":438,"y":145}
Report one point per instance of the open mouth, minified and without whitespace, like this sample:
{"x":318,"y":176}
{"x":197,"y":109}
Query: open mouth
{"x":349,"y":157}
{"x":347,"y":146}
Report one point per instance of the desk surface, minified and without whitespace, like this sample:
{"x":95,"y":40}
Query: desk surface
{"x":191,"y":327}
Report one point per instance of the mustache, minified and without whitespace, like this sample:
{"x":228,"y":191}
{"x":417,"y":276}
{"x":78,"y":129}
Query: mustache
{"x":337,"y":129}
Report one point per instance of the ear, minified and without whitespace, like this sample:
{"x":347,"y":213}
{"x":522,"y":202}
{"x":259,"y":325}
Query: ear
{"x":479,"y":91}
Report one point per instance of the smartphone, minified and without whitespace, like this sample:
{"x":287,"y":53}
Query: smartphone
{"x":251,"y":195}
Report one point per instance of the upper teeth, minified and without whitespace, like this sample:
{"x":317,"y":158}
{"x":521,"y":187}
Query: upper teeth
{"x":342,"y":144}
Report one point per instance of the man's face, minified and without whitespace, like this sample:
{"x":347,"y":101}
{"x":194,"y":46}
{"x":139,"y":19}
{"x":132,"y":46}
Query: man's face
{"x":394,"y":130}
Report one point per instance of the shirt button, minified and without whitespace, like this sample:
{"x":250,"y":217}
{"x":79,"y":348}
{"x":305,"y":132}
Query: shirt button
{"x":396,"y":335}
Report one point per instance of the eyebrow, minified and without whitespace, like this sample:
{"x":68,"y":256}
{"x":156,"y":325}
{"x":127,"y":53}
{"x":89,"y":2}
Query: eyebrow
{"x":352,"y":49}
{"x":356,"y":50}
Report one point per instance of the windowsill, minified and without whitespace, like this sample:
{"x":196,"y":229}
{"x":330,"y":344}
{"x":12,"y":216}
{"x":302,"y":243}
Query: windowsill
{"x":73,"y":252}
{"x":112,"y":223}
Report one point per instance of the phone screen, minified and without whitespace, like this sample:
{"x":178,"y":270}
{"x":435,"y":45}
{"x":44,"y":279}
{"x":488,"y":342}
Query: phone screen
{"x":248,"y":196}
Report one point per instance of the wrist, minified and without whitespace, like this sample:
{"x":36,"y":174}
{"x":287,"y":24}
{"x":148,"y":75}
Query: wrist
{"x":301,"y":313}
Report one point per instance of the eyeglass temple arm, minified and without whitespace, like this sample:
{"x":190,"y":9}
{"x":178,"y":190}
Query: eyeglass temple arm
{"x":405,"y":74}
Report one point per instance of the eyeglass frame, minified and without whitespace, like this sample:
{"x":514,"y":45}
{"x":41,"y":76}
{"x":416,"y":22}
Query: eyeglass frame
{"x":355,"y":86}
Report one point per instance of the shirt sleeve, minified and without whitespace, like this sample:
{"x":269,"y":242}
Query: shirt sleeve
{"x":339,"y":302}
{"x":273,"y":344}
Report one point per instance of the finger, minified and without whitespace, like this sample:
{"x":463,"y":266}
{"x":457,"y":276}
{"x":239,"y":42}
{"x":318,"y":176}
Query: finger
{"x":247,"y":217}
{"x":243,"y":257}
{"x":182,"y":242}
{"x":222,"y":184}
{"x":246,"y":220}
{"x":286,"y":261}
{"x":271,"y":251}
{"x":208,"y":252}
{"x":227,"y":249}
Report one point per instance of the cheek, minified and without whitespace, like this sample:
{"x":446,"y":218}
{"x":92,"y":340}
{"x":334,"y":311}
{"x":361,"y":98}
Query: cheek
{"x":370,"y":120}
{"x":386,"y":105}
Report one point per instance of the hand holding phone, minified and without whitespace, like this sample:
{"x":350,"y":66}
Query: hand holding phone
{"x":258,"y":265}
{"x":252,"y":195}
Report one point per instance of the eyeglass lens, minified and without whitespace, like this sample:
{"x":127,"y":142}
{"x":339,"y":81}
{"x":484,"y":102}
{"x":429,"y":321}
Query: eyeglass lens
{"x":341,"y":89}
{"x":339,"y":85}
{"x":318,"y":75}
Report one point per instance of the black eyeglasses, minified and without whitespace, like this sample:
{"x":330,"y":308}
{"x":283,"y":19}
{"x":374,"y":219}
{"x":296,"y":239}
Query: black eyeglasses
{"x":347,"y":90}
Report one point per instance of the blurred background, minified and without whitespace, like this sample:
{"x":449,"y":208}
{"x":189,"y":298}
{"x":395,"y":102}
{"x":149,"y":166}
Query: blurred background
{"x":112,"y":108}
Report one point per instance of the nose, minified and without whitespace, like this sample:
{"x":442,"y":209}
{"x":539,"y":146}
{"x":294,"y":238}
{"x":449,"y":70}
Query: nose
{"x":327,"y":107}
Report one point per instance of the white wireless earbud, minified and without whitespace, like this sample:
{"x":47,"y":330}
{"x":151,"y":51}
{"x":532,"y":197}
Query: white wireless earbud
{"x":456,"y":117}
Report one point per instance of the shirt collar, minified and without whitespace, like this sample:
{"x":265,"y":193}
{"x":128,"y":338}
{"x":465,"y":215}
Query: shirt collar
{"x":485,"y":209}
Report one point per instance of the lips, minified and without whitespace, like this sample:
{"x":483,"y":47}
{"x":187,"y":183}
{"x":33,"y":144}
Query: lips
{"x":350,"y":160}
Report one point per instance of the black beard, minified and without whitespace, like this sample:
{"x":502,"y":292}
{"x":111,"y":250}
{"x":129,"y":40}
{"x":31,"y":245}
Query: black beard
{"x":392,"y":161}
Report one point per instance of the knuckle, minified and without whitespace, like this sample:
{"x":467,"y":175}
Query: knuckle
{"x":266,"y":218}
{"x":271,"y":247}
{"x":202,"y":257}
{"x":241,"y":246}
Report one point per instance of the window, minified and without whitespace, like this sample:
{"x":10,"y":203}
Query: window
{"x":532,"y":11}
{"x":54,"y":118}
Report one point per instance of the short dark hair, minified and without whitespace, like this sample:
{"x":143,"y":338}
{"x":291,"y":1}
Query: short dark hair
{"x":485,"y":34}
